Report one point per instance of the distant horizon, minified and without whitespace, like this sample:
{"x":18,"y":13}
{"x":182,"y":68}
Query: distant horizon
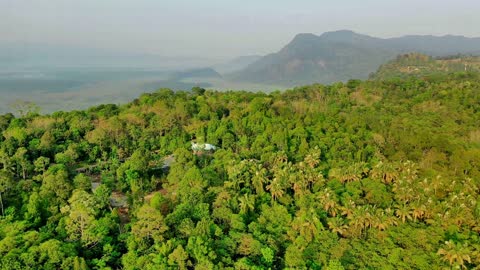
{"x":197,"y":57}
{"x":221,"y":29}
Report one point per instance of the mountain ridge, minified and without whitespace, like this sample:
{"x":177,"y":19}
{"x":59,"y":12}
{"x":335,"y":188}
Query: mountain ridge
{"x":344,"y":54}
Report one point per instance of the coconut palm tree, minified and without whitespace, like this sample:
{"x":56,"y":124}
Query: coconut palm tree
{"x":278,"y":185}
{"x":353,"y":172}
{"x":247,"y":203}
{"x":403,"y":212}
{"x":408,"y":171}
{"x":455,"y":254}
{"x":348,"y":209}
{"x":337,"y":225}
{"x":259,"y":178}
{"x":313,"y":158}
{"x":328,"y":200}
{"x":276,"y":189}
{"x":382,"y":220}
{"x":361,"y":220}
{"x":386,"y":172}
{"x":307,"y":224}
{"x":418,"y":210}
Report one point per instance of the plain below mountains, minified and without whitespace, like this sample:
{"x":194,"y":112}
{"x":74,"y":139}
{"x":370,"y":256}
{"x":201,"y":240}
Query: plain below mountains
{"x":343,"y":55}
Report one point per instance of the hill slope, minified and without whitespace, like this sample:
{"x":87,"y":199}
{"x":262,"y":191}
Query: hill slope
{"x":364,"y":175}
{"x":343,"y":55}
{"x":420,"y":65}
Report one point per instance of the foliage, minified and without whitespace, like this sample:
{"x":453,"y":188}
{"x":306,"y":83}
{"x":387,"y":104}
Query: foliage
{"x":362,"y":175}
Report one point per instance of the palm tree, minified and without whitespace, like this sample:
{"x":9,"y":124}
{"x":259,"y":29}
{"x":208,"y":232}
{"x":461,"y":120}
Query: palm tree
{"x":337,"y":225}
{"x":312,"y":176}
{"x":307,"y":224}
{"x":276,"y":189}
{"x":403,"y":191}
{"x":328,"y":200}
{"x":259,"y":178}
{"x":313,"y":158}
{"x":361,"y":219}
{"x":348,"y":209}
{"x":437,"y":184}
{"x":236,"y":176}
{"x":247,"y":203}
{"x":409,"y":171}
{"x":418,"y":210}
{"x":386,"y":172}
{"x":353,"y":172}
{"x":278,"y":185}
{"x":382,"y":220}
{"x":455,"y":254}
{"x":298,"y":181}
{"x":403,"y":212}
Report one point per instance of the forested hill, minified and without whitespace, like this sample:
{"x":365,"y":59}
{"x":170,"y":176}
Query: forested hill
{"x":343,"y":55}
{"x":420,"y":65}
{"x":357,"y":175}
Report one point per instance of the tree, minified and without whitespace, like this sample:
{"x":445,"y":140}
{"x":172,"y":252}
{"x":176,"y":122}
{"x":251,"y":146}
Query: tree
{"x":22,"y":160}
{"x":247,"y":203}
{"x":56,"y":188}
{"x":199,"y":91}
{"x":6,"y":183}
{"x":334,"y":265}
{"x":179,"y":258}
{"x":337,"y":225}
{"x":403,"y":212}
{"x":307,"y":224}
{"x":455,"y":254}
{"x":80,"y":222}
{"x":149,"y":224}
{"x":41,"y":164}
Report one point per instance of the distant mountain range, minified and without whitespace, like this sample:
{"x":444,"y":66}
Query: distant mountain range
{"x":343,"y":55}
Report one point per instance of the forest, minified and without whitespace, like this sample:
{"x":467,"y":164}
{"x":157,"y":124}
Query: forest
{"x":375,"y":174}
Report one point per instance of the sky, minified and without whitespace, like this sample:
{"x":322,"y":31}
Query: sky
{"x":222,"y":28}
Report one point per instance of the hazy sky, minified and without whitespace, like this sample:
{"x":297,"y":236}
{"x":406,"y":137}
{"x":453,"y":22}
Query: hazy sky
{"x":223,"y":28}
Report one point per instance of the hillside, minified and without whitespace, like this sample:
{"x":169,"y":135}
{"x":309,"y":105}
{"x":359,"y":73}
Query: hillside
{"x":359,"y":175}
{"x":420,"y":65}
{"x":344,"y":55}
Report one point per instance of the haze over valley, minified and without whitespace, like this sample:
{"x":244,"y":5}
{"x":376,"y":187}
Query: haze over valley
{"x":65,"y":78}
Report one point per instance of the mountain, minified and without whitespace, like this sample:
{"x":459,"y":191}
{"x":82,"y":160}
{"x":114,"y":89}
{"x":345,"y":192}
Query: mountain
{"x":421,"y":65}
{"x":237,"y":63}
{"x":342,"y":55}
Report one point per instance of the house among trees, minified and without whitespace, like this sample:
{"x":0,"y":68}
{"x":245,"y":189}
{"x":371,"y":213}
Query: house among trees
{"x":200,"y":148}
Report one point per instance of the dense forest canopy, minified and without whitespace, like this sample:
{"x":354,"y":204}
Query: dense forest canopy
{"x":358,"y":175}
